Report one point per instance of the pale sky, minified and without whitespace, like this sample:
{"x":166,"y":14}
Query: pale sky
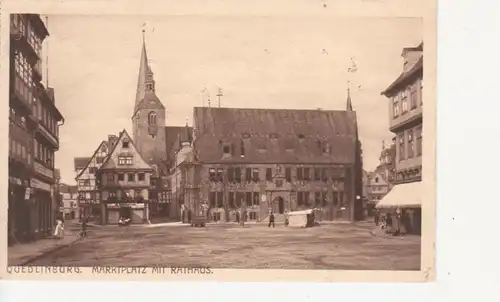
{"x":260,"y":62}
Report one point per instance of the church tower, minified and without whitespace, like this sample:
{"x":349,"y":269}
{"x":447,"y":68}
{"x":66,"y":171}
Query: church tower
{"x":148,"y":119}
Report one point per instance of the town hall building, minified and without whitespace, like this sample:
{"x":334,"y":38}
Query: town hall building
{"x":241,"y":163}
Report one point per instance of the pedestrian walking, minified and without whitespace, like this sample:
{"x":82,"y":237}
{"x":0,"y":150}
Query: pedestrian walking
{"x":83,"y":232}
{"x":271,"y":220}
{"x":377,"y":217}
{"x":59,"y":231}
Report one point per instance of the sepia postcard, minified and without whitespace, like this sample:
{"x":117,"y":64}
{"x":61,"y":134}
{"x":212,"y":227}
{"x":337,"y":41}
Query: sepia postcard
{"x":219,"y":140}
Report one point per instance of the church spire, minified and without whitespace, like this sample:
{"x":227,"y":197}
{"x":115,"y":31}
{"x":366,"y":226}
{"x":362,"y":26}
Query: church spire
{"x":349,"y":102}
{"x":145,"y":81}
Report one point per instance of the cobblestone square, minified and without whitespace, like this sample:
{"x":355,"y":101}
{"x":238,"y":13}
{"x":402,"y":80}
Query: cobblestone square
{"x":330,"y":246}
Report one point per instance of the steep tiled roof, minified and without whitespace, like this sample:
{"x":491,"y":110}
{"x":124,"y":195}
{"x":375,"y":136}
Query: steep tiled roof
{"x":172,"y":134}
{"x":90,"y":158}
{"x":81,"y":162}
{"x":418,"y":67}
{"x":275,"y":135}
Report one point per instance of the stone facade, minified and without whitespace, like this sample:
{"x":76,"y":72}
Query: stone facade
{"x":262,"y":188}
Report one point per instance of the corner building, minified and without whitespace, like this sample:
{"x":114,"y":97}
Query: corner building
{"x":33,"y":134}
{"x":406,"y":122}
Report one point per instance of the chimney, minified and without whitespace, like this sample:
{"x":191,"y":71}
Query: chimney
{"x":112,"y":140}
{"x":411,"y":55}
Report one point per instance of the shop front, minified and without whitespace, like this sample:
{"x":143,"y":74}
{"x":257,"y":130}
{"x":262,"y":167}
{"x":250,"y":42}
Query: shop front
{"x":403,"y":203}
{"x":42,"y":212}
{"x":136,"y":212}
{"x":18,"y":210}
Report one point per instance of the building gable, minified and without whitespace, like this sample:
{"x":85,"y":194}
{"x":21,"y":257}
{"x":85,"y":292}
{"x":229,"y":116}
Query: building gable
{"x":92,"y":161}
{"x":377,"y":179}
{"x":124,"y":149}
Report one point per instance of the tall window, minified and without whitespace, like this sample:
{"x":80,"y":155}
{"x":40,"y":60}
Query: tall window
{"x":220,"y":198}
{"x":256,"y":198}
{"x":255,"y":175}
{"x":232,"y":196}
{"x":418,"y":134}
{"x":307,"y":174}
{"x":299,"y":174}
{"x":212,"y":199}
{"x":421,"y":91}
{"x":237,"y":174}
{"x":211,"y":174}
{"x":395,"y":106}
{"x":404,"y":101}
{"x":152,"y":118}
{"x":413,"y":98}
{"x":402,"y":154}
{"x":317,"y":174}
{"x":269,"y":174}
{"x":411,"y":148}
{"x":288,"y":174}
{"x":248,"y":174}
{"x":324,"y":174}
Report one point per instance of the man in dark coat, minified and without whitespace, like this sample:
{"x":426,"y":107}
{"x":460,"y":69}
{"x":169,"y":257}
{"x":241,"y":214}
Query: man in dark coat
{"x":271,"y":219}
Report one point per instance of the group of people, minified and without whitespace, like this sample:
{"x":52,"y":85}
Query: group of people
{"x":59,"y":230}
{"x":386,"y":222}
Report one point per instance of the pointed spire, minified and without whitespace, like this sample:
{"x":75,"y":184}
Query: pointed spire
{"x":185,"y":135}
{"x":145,"y":81}
{"x":349,"y":102}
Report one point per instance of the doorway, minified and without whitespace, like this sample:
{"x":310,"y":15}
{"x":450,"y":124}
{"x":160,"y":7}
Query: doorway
{"x":126,"y":212}
{"x":281,"y":205}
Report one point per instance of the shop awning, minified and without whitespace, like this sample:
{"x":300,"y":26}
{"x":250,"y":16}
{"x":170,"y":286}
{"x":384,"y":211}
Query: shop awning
{"x":403,"y":196}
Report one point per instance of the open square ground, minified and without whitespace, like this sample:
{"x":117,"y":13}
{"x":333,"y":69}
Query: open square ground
{"x":330,"y":246}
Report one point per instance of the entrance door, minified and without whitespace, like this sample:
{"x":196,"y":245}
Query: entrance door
{"x":281,"y":205}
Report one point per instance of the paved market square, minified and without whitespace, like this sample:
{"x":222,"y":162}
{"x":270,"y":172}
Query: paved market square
{"x":349,"y":246}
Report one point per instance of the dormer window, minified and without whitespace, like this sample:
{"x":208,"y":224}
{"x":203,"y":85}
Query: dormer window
{"x":226,"y":149}
{"x":125,"y":144}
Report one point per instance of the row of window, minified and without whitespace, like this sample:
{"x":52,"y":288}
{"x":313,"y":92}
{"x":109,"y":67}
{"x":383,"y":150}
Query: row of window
{"x":131,"y":177}
{"x":121,"y":194}
{"x":410,"y":143}
{"x":17,"y":118}
{"x":407,"y":99}
{"x":125,"y":160}
{"x":43,"y":154}
{"x":320,"y":198}
{"x":234,"y":174}
{"x":235,"y":199}
{"x":19,"y":151}
{"x":229,"y":149}
{"x":21,"y":23}
{"x":47,"y":119}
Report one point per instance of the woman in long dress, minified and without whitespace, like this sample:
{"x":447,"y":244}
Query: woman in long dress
{"x":59,"y":231}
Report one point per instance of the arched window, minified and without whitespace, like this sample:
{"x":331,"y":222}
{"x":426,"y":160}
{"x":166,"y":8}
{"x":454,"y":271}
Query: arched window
{"x":152,"y":118}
